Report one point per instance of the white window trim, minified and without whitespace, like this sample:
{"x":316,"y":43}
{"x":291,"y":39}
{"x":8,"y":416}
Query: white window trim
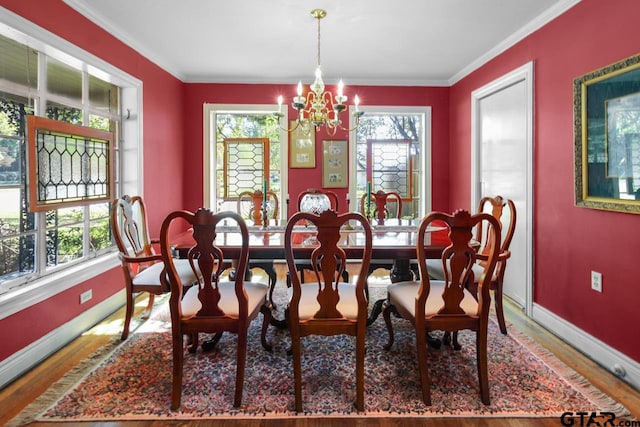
{"x":131,"y":182}
{"x":425,"y":187}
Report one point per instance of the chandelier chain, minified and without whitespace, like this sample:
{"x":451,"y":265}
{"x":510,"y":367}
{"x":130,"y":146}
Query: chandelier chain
{"x":319,"y":41}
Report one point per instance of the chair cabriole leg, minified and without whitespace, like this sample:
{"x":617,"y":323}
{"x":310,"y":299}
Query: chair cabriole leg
{"x":127,"y":315}
{"x":386,"y":313}
{"x":178,"y":358}
{"x":483,"y":372}
{"x":242,"y":360}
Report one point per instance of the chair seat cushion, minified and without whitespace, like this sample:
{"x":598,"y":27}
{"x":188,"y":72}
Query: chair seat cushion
{"x":256,"y":293}
{"x":309,"y":305}
{"x":434,"y":266}
{"x":403,"y":295}
{"x":151,"y":274}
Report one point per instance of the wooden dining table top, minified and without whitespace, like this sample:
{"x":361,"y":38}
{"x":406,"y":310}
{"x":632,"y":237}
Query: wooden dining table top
{"x":390,"y":241}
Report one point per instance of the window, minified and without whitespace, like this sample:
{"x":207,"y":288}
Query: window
{"x":78,"y":89}
{"x":244,"y":149}
{"x":392,"y":154}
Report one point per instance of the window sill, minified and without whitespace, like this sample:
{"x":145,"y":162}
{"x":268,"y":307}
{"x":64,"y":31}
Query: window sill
{"x":46,"y":287}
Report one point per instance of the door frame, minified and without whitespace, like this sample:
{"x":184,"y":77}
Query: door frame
{"x":523,"y":73}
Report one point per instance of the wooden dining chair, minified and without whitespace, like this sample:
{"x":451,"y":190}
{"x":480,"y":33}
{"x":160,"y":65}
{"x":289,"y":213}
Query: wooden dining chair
{"x":328,"y":306}
{"x":141,"y":265}
{"x":504,"y":211}
{"x":384,"y":204}
{"x":210,"y":306}
{"x":250,"y":207}
{"x":316,"y":201}
{"x":447,"y":305}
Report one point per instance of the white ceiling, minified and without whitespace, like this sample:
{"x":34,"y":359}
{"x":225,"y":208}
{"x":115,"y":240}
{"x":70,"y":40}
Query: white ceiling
{"x":377,"y":42}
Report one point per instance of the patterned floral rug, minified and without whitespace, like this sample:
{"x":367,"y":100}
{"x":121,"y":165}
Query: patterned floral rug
{"x":132,"y":380}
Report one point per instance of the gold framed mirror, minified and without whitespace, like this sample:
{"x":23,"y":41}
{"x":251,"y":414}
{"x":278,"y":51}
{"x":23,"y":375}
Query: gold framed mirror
{"x":607,"y":137}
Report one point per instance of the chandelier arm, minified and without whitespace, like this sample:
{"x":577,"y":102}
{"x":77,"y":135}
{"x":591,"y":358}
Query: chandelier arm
{"x":357,"y":115}
{"x":310,"y":99}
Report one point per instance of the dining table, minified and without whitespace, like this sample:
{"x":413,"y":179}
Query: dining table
{"x":394,"y":243}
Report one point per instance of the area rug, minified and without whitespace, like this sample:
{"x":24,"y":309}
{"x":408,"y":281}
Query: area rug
{"x":132,"y":380}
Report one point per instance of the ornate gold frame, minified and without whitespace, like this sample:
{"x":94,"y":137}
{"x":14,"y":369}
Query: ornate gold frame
{"x":601,"y":144}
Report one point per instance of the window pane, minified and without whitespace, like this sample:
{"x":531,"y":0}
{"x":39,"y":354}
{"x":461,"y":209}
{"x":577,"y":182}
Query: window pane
{"x":17,"y":253}
{"x":64,"y":80}
{"x":63,"y":113}
{"x":103,"y":95}
{"x":98,"y":122}
{"x":100,"y":232}
{"x":64,"y":245}
{"x":13,"y":108}
{"x":17,"y":240}
{"x":73,"y":215}
{"x":10,"y":162}
{"x":19,"y":63}
{"x":64,"y":235}
{"x":17,"y":245}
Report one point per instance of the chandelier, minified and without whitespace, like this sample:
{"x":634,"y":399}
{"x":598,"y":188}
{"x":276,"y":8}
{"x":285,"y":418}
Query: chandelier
{"x":319,"y":107}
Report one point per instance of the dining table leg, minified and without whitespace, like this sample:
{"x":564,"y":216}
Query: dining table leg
{"x":400,"y":272}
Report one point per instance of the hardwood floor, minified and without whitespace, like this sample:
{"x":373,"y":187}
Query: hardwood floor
{"x":20,"y":393}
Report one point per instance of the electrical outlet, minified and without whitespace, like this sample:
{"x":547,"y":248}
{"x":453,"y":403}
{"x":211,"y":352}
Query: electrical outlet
{"x":86,"y":296}
{"x":596,"y":281}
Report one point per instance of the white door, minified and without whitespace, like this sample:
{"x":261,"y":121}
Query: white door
{"x":502,"y":152}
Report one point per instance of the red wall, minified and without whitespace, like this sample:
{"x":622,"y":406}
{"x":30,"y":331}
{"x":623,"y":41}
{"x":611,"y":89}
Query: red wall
{"x":569,"y":241}
{"x":196,"y":95}
{"x":163,"y":151}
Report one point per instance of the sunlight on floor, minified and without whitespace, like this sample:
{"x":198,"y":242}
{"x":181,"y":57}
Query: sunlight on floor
{"x":113,"y":327}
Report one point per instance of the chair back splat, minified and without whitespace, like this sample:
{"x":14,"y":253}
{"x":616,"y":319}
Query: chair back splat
{"x":316,"y":201}
{"x":448,"y":305}
{"x":210,"y":306}
{"x":328,"y":306}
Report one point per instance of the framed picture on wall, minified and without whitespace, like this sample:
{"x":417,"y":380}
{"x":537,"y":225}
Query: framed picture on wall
{"x":606,"y":106}
{"x":302,"y":147}
{"x":334,"y":164}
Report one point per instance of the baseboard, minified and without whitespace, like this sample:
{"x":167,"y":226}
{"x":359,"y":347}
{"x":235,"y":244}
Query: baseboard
{"x":24,"y":360}
{"x":610,"y":359}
